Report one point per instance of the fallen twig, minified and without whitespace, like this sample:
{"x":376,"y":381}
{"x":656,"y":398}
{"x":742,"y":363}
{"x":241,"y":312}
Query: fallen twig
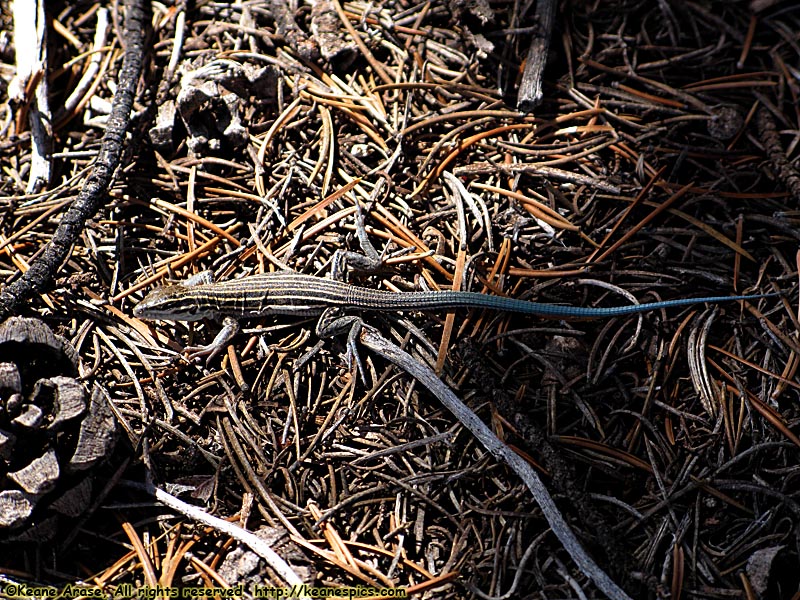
{"x":42,"y":270}
{"x":373,"y":340}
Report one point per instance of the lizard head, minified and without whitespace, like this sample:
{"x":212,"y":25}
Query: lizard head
{"x":171,"y":303}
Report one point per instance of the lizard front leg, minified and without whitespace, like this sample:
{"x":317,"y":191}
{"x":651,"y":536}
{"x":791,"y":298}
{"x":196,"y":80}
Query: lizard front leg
{"x":230,"y":327}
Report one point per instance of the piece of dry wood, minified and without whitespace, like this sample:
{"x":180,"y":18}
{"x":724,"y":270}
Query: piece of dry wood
{"x":29,"y":87}
{"x":530,"y":90}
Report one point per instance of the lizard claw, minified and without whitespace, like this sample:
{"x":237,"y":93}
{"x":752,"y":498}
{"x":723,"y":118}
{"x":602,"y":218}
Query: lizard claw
{"x":209,"y":351}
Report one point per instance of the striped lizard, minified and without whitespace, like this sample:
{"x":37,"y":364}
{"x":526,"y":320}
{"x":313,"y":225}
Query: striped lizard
{"x":286,"y":293}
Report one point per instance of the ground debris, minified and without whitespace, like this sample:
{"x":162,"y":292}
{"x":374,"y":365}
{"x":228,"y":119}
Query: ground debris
{"x":659,"y":164}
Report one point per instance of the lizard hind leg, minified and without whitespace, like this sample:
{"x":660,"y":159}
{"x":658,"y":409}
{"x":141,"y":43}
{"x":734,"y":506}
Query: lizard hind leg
{"x":333,"y":321}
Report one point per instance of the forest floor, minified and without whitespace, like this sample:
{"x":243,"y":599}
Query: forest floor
{"x":661,"y":164}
